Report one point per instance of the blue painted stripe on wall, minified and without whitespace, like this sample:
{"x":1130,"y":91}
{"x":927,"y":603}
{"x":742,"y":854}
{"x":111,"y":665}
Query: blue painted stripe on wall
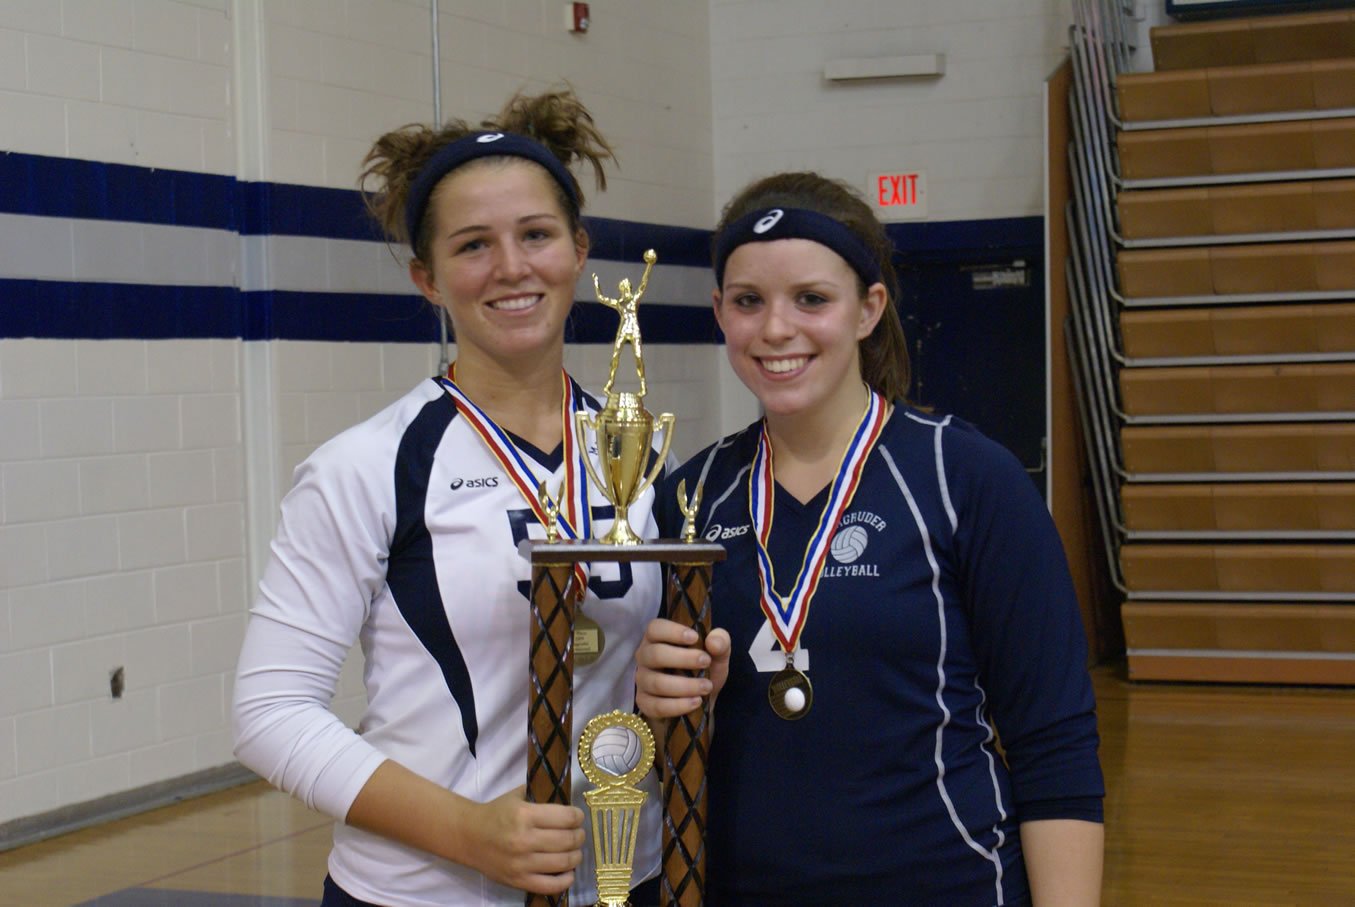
{"x":365,"y":317}
{"x":371,"y":318}
{"x":64,"y":187}
{"x":67,"y":310}
{"x":627,"y":240}
{"x":927,"y":239}
{"x":117,"y":311}
{"x":592,"y":322}
{"x":291,"y":210}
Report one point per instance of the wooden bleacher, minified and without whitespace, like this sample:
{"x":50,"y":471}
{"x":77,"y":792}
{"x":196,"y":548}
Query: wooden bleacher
{"x":1228,"y":321}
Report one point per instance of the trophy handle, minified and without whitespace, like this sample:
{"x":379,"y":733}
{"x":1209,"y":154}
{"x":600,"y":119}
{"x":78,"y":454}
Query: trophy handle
{"x":584,"y":423}
{"x":666,"y":426}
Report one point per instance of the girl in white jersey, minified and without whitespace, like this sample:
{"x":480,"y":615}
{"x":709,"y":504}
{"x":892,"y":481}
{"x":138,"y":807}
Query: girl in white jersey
{"x":402,"y":532}
{"x":894,"y":596}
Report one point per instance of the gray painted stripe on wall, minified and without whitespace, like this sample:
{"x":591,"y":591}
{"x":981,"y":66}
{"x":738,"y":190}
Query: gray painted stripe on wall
{"x":59,"y":248}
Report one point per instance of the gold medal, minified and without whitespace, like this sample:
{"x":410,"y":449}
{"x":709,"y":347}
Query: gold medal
{"x":589,"y":640}
{"x":790,"y":694}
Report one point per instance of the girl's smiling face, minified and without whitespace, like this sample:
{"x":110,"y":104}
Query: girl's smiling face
{"x":793,"y":316}
{"x":504,"y":260}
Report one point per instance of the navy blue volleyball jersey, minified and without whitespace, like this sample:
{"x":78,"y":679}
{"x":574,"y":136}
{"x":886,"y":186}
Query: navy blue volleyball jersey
{"x":945,"y":615}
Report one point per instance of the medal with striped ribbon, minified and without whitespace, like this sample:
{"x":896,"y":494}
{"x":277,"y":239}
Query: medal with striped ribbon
{"x":791,"y":693}
{"x":573,"y":512}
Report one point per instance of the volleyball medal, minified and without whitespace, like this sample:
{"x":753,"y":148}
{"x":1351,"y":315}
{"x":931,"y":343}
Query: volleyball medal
{"x":616,"y":751}
{"x":791,"y":693}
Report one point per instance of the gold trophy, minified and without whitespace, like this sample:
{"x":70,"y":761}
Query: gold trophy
{"x":560,"y":640}
{"x":625,"y":428}
{"x":616,"y":751}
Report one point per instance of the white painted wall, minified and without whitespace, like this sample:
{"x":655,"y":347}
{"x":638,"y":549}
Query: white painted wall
{"x":975,"y":131}
{"x":125,"y":466}
{"x":137,"y":477}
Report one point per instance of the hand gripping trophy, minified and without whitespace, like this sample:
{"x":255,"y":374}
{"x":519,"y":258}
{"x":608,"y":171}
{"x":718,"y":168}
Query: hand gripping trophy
{"x":626,"y":466}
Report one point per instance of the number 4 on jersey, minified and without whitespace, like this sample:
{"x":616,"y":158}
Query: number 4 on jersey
{"x":767,"y":654}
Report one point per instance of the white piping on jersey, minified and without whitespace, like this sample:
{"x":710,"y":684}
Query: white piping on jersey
{"x":940,"y":466}
{"x":701,"y":480}
{"x":990,"y":855}
{"x":986,"y":748}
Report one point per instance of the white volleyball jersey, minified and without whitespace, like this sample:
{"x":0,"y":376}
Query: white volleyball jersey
{"x":402,"y":533}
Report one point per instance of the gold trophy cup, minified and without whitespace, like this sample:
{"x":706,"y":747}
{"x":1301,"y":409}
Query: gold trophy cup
{"x":624,"y":431}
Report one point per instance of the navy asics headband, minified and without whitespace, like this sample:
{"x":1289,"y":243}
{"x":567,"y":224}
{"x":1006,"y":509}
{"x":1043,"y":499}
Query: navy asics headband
{"x":768,"y":224}
{"x":468,"y":148}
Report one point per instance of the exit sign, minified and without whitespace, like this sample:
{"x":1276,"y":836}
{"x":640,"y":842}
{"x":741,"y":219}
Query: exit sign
{"x":898,"y":196}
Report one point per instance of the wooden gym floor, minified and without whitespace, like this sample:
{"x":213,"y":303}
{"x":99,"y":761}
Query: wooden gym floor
{"x":1216,"y":795}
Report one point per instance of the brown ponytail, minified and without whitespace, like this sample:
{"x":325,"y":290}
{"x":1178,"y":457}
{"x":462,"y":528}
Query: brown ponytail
{"x":556,"y":119}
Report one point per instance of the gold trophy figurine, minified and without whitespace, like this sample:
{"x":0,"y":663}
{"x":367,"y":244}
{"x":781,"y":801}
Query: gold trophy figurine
{"x":552,"y":512}
{"x":616,"y":751}
{"x":627,"y":305}
{"x":689,"y":510}
{"x":624,"y":427}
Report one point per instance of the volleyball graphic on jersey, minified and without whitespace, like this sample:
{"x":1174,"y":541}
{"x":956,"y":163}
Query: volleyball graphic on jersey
{"x":848,"y":544}
{"x":616,"y":750}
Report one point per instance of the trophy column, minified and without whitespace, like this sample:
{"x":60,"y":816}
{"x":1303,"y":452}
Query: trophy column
{"x":552,"y":683}
{"x":550,"y":712}
{"x":686,"y":744}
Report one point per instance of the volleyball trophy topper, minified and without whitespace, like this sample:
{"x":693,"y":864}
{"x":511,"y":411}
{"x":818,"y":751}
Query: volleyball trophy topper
{"x":625,"y":428}
{"x":563,"y":638}
{"x":615,"y":752}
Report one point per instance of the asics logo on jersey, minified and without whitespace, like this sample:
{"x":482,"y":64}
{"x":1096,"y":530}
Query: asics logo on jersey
{"x":718,"y":533}
{"x":485,"y":482}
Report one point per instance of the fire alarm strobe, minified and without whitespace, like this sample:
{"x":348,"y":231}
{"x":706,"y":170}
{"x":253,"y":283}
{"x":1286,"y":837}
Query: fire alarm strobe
{"x":576,"y":17}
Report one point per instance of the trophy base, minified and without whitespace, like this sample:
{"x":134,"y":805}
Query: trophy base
{"x":621,"y":534}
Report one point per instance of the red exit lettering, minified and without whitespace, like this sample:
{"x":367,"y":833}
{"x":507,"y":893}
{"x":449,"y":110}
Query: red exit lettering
{"x":896,"y":189}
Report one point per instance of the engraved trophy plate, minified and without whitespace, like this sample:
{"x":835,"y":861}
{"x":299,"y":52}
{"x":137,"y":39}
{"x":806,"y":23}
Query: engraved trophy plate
{"x":589,"y":640}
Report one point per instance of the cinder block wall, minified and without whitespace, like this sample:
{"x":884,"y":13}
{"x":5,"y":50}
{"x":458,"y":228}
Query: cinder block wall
{"x":142,"y":456}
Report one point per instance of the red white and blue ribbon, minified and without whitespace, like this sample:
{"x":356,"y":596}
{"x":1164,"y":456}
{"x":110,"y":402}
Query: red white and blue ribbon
{"x":787,"y":614}
{"x":573,"y":511}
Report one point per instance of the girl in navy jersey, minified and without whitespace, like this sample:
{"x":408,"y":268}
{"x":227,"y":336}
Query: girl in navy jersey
{"x":402,"y":533}
{"x":895,"y":598}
